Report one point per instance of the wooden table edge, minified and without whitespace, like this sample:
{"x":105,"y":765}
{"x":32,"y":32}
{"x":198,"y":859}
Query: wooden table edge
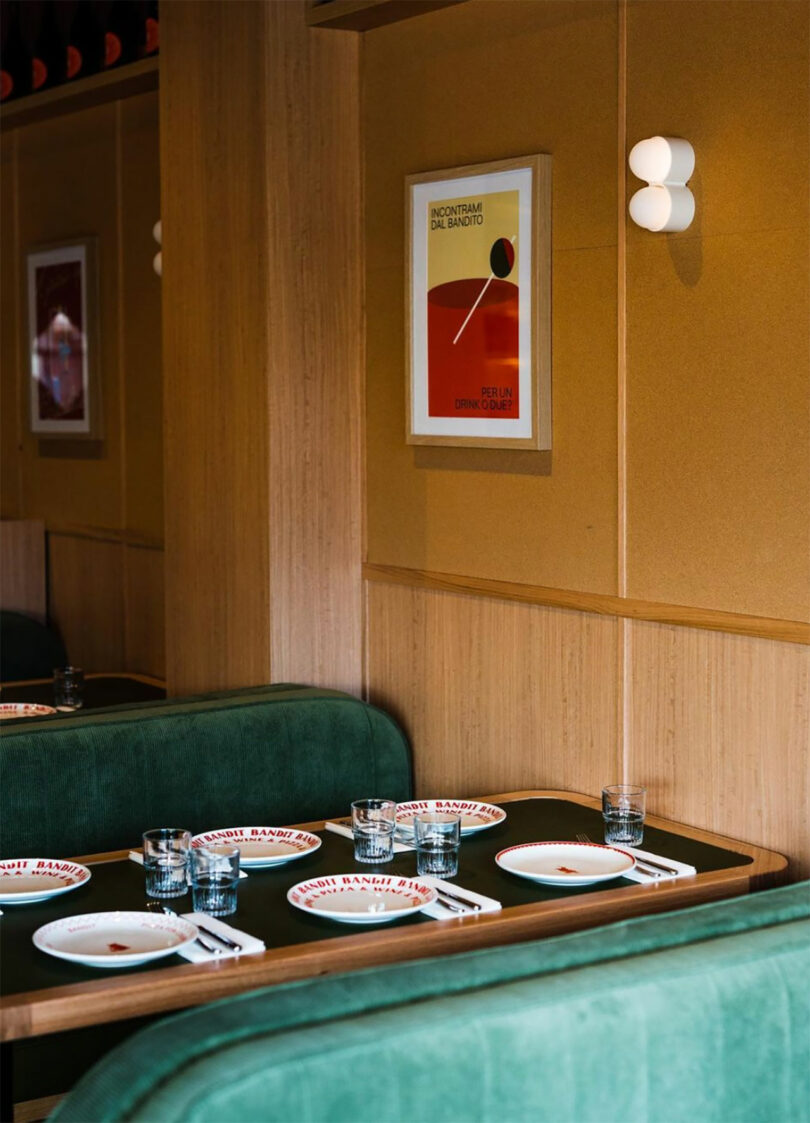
{"x":57,"y":1009}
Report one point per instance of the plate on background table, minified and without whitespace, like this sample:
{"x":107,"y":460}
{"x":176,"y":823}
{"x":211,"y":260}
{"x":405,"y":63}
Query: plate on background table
{"x":261,"y":847}
{"x":26,"y":880}
{"x":362,"y":898}
{"x":24,"y":709}
{"x":565,"y":863}
{"x":474,"y":816}
{"x":114,"y":939}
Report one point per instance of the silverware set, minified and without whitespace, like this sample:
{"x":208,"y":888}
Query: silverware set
{"x":456,"y":904}
{"x":652,"y":868}
{"x":211,"y":948}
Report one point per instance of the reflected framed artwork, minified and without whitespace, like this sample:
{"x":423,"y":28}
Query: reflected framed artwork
{"x":478,"y":321}
{"x":62,"y":339}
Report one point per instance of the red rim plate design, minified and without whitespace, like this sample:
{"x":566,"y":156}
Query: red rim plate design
{"x":114,"y":939}
{"x":9,"y":710}
{"x":261,"y":846}
{"x":26,"y":880}
{"x":566,"y":863}
{"x":362,"y":898}
{"x":474,"y":816}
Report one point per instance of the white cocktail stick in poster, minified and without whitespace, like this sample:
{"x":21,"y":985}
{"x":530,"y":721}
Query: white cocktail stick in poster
{"x":501,"y":261}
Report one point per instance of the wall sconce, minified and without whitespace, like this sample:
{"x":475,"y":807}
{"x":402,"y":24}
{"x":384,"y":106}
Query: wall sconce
{"x":666,"y":163}
{"x":157,"y":260}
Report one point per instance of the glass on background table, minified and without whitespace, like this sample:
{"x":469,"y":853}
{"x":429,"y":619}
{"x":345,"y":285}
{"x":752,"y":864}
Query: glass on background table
{"x":100,"y":690}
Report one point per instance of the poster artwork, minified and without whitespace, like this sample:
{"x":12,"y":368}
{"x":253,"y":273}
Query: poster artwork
{"x":62,"y":340}
{"x":59,"y":345}
{"x":478,"y":314}
{"x":473,"y":306}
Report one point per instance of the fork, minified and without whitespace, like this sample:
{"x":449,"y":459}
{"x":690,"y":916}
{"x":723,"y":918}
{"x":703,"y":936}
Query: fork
{"x":155,"y":906}
{"x":642,"y":865}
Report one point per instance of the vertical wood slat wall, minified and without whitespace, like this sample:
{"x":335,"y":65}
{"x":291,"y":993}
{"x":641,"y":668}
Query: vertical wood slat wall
{"x":260,"y":177}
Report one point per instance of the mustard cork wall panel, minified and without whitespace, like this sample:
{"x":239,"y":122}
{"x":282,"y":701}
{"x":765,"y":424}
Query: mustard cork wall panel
{"x":68,"y":189}
{"x":718,"y":433}
{"x":473,"y":83}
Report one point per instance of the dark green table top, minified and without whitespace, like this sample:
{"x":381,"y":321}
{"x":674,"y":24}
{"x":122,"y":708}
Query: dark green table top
{"x":263,"y":909}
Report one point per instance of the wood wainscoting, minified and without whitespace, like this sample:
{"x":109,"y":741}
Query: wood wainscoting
{"x":106,"y":599}
{"x":499,"y":694}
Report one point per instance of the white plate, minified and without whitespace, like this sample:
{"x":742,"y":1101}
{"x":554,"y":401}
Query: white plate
{"x":474,"y":816}
{"x":24,"y":709}
{"x":362,"y":898}
{"x":114,"y":939}
{"x":565,"y":863}
{"x":261,"y":846}
{"x":25,"y":880}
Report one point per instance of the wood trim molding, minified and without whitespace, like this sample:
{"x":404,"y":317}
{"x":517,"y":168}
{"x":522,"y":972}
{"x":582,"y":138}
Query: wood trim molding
{"x":363,"y":15}
{"x":603,"y":604}
{"x":33,"y":1111}
{"x":106,"y":534}
{"x":110,"y":85}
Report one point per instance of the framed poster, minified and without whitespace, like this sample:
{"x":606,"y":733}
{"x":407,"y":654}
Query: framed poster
{"x":63,"y":339}
{"x":478,"y":324}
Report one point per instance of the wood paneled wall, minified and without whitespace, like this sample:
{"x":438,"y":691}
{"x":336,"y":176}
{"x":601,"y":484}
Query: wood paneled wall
{"x":215,"y":344}
{"x":23,"y":583}
{"x":92,"y":172}
{"x":678,"y":488}
{"x":260,"y":164}
{"x":496,"y":696}
{"x":106,"y":600}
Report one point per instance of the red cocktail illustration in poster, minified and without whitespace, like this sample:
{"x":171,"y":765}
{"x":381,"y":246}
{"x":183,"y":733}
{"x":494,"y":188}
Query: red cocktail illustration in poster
{"x":473,"y":307}
{"x":473,"y":342}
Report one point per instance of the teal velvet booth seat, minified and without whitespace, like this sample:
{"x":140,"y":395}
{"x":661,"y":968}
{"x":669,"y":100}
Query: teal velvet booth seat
{"x":274,"y":755}
{"x":701,"y":1014}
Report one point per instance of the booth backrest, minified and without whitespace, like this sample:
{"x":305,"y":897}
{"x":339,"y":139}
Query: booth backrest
{"x":28,"y":648}
{"x":263,"y":756}
{"x":698,"y":1014}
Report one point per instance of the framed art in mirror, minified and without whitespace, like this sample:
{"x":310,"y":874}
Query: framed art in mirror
{"x":62,"y":340}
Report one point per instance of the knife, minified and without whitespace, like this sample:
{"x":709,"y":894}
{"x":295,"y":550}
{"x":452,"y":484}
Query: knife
{"x":658,"y":865}
{"x":459,"y":900}
{"x":232,"y":944}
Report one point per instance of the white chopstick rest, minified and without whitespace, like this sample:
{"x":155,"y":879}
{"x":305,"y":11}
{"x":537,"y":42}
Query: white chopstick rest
{"x":440,"y":912}
{"x":197,"y":954}
{"x":682,"y":868}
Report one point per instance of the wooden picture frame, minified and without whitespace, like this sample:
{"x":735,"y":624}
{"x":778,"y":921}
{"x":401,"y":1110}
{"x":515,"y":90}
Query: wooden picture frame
{"x":478,"y":320}
{"x":62,"y":339}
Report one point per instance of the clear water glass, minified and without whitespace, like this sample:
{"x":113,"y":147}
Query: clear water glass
{"x":623,"y":811}
{"x":214,"y":880}
{"x":68,"y":688}
{"x":165,"y":861}
{"x":373,"y":824}
{"x":438,"y":836}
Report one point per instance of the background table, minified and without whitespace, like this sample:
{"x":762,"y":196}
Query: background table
{"x":41,"y":994}
{"x":99,"y":690}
